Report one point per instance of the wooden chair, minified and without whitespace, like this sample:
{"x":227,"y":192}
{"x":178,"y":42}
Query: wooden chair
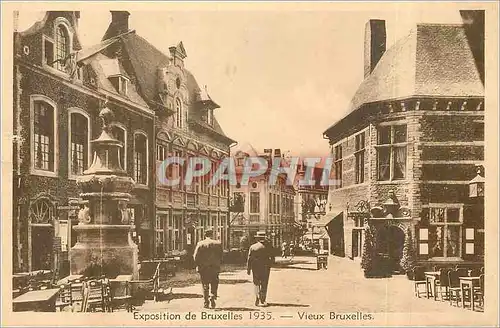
{"x":478,"y":292}
{"x":419,"y":280}
{"x":65,"y":297}
{"x":93,"y":296}
{"x":454,"y":287}
{"x":77,"y":289}
{"x":475,"y":272}
{"x":123,"y":299}
{"x":443,"y":283}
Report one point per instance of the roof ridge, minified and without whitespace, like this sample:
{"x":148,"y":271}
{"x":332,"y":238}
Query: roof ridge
{"x":441,"y":24}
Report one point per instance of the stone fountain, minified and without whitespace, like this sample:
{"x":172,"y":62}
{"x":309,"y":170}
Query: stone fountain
{"x":103,"y":242}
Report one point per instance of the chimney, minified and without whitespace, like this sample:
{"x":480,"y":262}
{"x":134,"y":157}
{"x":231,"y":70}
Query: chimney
{"x":178,"y":54}
{"x":375,"y":41}
{"x":120,"y":20}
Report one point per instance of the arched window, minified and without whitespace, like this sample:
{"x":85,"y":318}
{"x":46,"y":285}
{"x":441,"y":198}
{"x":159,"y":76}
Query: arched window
{"x":41,"y":212}
{"x":120,"y":133}
{"x":140,"y":158}
{"x":79,"y":143}
{"x":62,"y":47}
{"x":43,"y":136}
{"x":178,"y":113}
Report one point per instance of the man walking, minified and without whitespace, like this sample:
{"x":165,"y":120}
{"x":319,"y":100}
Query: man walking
{"x":260,"y":259}
{"x":208,"y":257}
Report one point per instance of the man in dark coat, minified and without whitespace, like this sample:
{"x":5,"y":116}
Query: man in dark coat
{"x":208,"y":257}
{"x":260,"y":259}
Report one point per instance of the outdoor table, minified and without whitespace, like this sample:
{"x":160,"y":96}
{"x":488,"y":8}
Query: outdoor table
{"x":118,"y":284}
{"x":468,"y":283}
{"x":165,"y":262}
{"x":36,"y":300}
{"x":430,"y":280}
{"x":69,"y":279}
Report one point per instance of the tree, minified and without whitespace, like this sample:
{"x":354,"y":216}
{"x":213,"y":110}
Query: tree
{"x":408,"y":257}
{"x":368,"y":256}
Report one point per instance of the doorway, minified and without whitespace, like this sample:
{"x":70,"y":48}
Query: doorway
{"x":42,"y":239}
{"x":390,"y":241}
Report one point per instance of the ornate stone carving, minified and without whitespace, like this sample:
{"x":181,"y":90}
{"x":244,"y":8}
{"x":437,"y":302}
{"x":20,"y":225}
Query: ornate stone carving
{"x":84,"y":216}
{"x":123,"y":212}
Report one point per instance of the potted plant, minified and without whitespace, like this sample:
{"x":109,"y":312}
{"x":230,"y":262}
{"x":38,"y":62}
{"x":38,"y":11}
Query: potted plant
{"x":408,"y":258}
{"x":368,"y":258}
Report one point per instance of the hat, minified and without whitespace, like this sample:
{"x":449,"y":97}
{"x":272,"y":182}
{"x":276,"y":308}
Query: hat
{"x":209,"y":232}
{"x":260,"y":235}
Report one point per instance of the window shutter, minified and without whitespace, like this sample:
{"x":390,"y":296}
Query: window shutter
{"x":469,"y":241}
{"x":423,"y":241}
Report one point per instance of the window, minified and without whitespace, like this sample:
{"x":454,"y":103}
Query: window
{"x":391,"y":152}
{"x":177,"y":233}
{"x":161,"y":152}
{"x":140,"y":159}
{"x":445,"y":230}
{"x":43,"y":136}
{"x":123,"y":85}
{"x":210,"y":117}
{"x":160,"y":235}
{"x":360,"y":157}
{"x":62,"y":47}
{"x":48,"y":52}
{"x":338,"y":167}
{"x":120,"y":83}
{"x":270,"y":203}
{"x":79,"y":143}
{"x":254,"y":202}
{"x":174,"y":170}
{"x":179,"y":119}
{"x":120,"y":134}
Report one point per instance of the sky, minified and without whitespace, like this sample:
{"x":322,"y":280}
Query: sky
{"x":281,"y":77}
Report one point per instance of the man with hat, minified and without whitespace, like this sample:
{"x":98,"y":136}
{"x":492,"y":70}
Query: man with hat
{"x":260,"y":259}
{"x":208,"y":257}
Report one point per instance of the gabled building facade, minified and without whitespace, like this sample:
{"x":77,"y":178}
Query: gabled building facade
{"x":185,"y":126}
{"x":260,"y":205}
{"x":159,"y":110}
{"x":59,"y":89}
{"x":410,"y":145}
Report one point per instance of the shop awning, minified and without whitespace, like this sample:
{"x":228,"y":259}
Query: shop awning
{"x":328,"y":217}
{"x":315,"y":236}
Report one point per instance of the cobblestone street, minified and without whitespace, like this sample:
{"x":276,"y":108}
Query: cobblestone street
{"x":297,"y":286}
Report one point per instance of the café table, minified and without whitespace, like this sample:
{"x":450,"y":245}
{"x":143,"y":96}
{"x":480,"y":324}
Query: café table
{"x":36,"y":300}
{"x":118,"y":284}
{"x":430,"y":280}
{"x":468,"y":283}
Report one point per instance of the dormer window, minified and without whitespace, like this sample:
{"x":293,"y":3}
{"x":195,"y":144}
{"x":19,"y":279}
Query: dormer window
{"x":120,"y":83}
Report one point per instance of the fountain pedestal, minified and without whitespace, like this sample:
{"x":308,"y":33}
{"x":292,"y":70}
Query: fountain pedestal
{"x":104,"y":245}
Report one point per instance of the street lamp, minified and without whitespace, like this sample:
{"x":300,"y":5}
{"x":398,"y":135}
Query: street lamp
{"x":476,"y":185}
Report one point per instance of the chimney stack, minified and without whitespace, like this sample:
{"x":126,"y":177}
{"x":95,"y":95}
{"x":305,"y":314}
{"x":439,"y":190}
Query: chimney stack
{"x":120,"y":21}
{"x":375,"y":43}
